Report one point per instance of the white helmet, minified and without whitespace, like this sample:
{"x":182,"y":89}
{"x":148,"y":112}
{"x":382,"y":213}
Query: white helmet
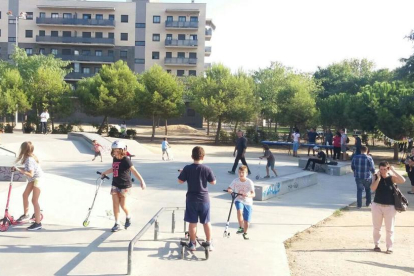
{"x":118,"y":145}
{"x":315,"y":148}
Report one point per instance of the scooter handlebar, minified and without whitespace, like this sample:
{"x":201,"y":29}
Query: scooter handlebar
{"x":233,"y":193}
{"x":103,"y":176}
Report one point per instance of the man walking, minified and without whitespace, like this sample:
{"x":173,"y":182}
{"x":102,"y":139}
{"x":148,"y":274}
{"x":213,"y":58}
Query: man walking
{"x":363,"y":168}
{"x":43,"y":120}
{"x":241,"y":145}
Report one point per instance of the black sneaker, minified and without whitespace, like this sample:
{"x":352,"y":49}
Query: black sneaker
{"x":231,"y":172}
{"x":127,"y":223}
{"x":245,"y":236}
{"x":116,"y":228}
{"x":240,"y":230}
{"x":35,"y":226}
{"x":23,"y":218}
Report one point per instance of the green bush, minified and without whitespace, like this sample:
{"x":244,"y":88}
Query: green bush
{"x":28,"y":128}
{"x":224,"y":137}
{"x":63,"y":129}
{"x":113,"y":132}
{"x":131,"y":133}
{"x":1,"y":127}
{"x":8,"y":128}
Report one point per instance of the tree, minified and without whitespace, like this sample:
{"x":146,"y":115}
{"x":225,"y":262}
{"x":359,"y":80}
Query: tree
{"x":113,"y":92}
{"x":11,"y":92}
{"x":332,"y":110}
{"x":162,"y":96}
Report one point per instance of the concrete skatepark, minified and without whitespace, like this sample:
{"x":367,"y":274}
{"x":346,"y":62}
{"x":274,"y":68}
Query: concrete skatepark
{"x":65,"y":247}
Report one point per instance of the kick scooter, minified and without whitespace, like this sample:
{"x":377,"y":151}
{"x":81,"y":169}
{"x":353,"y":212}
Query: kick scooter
{"x":184,"y":244}
{"x":226,"y":233}
{"x":102,"y":180}
{"x":8,"y":219}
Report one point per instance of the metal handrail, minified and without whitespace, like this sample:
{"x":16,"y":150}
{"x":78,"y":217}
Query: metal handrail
{"x":9,"y":151}
{"x":156,"y":229}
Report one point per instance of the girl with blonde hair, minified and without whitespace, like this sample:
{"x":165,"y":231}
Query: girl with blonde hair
{"x":33,"y":173}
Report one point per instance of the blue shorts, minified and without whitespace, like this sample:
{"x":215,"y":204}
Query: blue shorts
{"x":271,"y":164}
{"x":197,"y":210}
{"x":295,"y":146}
{"x":247,"y":210}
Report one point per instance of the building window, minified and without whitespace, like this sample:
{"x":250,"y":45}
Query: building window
{"x":67,"y":15}
{"x":54,"y":33}
{"x":42,"y":33}
{"x":86,"y":34}
{"x":42,"y":51}
{"x":168,"y":54}
{"x":169,"y":36}
{"x":156,"y":19}
{"x":155,"y":37}
{"x":124,"y":36}
{"x":0,"y":18}
{"x":139,"y":43}
{"x":42,"y":15}
{"x":29,"y":33}
{"x":76,"y":52}
{"x":139,"y":61}
{"x":87,"y":16}
{"x":193,"y":37}
{"x":29,"y":15}
{"x":155,"y":55}
{"x":0,"y":36}
{"x":29,"y":51}
{"x":139,"y":25}
{"x":66,"y":52}
{"x":98,"y":53}
{"x":193,"y":55}
{"x":66,"y":34}
{"x":97,"y":69}
{"x":123,"y":54}
{"x":180,"y":73}
{"x":76,"y":67}
{"x":194,"y":19}
{"x":110,"y":53}
{"x":99,"y":16}
{"x":12,"y":21}
{"x":111,"y":17}
{"x":124,"y":18}
{"x":12,"y":39}
{"x":86,"y":70}
{"x":54,"y":51}
{"x":98,"y":35}
{"x":181,"y":37}
{"x":168,"y":71}
{"x":190,"y":112}
{"x":111,"y":35}
{"x":86,"y":52}
{"x":181,"y":18}
{"x":55,"y":15}
{"x":169,"y":18}
{"x":192,"y":73}
{"x":181,"y":55}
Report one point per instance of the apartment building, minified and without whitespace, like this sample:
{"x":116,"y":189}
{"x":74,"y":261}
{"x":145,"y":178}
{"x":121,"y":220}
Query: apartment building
{"x":93,"y":33}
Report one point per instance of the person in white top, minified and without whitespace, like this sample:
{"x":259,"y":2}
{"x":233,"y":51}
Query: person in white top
{"x":295,"y":137}
{"x":164,"y":146}
{"x":43,"y":120}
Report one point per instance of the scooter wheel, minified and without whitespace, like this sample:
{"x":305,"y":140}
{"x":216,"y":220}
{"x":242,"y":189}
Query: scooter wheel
{"x":4,"y":225}
{"x":182,"y":252}
{"x":86,"y":223}
{"x":207,"y":252}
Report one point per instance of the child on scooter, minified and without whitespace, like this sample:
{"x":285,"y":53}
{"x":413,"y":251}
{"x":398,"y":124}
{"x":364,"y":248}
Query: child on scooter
{"x":33,"y":173}
{"x":270,"y":161}
{"x":121,"y":182}
{"x":243,"y":185}
{"x":197,"y":199}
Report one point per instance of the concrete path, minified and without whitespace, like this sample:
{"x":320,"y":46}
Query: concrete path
{"x":65,"y":247}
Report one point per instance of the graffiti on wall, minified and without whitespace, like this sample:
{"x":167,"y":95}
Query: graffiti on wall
{"x":271,"y":190}
{"x":5,"y":175}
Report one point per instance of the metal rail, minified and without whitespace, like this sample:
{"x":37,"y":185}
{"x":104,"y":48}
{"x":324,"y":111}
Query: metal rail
{"x":8,"y":151}
{"x":156,"y":230}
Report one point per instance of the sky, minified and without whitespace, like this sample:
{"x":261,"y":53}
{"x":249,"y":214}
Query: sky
{"x":307,"y":34}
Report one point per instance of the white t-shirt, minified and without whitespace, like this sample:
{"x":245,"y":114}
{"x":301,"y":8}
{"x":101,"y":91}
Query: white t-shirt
{"x":243,"y":187}
{"x":165,"y":145}
{"x":343,"y":139}
{"x":44,"y":117}
{"x":296,"y":137}
{"x":31,"y":165}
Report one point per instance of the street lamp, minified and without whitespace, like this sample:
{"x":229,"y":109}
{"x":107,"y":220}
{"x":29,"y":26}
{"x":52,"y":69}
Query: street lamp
{"x":22,"y":15}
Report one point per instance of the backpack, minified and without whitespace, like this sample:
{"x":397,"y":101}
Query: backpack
{"x":347,"y":139}
{"x":333,"y":163}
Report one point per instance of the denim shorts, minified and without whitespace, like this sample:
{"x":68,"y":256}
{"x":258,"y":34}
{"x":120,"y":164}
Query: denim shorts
{"x":197,"y":210}
{"x":295,"y":146}
{"x":271,"y":164}
{"x":247,"y":210}
{"x":123,"y":192}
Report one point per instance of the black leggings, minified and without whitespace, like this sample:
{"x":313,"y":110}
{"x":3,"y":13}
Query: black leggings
{"x":314,"y":161}
{"x":410,"y":174}
{"x":337,"y":153}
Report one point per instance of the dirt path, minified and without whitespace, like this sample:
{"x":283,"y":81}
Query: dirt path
{"x":342,"y":245}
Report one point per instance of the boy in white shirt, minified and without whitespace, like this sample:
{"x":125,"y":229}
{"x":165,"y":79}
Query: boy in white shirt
{"x":295,"y":137}
{"x":43,"y":120}
{"x":164,"y":146}
{"x":244,"y":202}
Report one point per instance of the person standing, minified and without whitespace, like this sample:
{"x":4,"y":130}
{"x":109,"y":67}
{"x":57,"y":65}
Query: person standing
{"x":241,"y":146}
{"x":337,"y":146}
{"x":409,"y":164}
{"x":328,"y":141}
{"x":363,"y":167}
{"x":383,"y":207}
{"x":312,"y":135}
{"x":344,"y":143}
{"x":295,"y":138}
{"x":358,"y":144}
{"x":43,"y":120}
{"x":164,"y":147}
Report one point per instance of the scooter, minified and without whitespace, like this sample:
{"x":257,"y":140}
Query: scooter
{"x":226,"y":233}
{"x":184,"y":244}
{"x":8,"y":219}
{"x":102,"y":180}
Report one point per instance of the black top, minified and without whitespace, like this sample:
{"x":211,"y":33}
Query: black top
{"x":121,"y":173}
{"x":385,"y":192}
{"x":312,"y":137}
{"x":328,"y":137}
{"x":197,"y":177}
{"x":409,"y":169}
{"x":241,"y":144}
{"x":322,"y":156}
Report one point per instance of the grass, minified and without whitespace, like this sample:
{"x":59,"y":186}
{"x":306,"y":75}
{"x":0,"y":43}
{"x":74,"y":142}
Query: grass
{"x":337,"y":213}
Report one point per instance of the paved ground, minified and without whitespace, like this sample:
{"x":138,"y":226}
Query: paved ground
{"x":65,"y":247}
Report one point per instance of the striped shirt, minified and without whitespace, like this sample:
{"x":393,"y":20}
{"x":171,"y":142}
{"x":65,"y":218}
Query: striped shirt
{"x":362,"y":166}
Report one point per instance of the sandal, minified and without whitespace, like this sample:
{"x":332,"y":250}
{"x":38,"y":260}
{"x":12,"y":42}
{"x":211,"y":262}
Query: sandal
{"x":388,"y":251}
{"x":377,"y":249}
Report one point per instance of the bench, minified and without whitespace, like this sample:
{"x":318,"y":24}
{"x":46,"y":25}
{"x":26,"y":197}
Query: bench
{"x":337,"y":170}
{"x":271,"y":187}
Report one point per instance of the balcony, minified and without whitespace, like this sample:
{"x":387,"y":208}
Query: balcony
{"x":180,"y":61}
{"x":75,"y":76}
{"x":187,"y":43}
{"x":79,"y":22}
{"x":208,"y":51}
{"x":75,"y":40}
{"x":209,"y":33}
{"x":87,"y":59}
{"x":189,"y":25}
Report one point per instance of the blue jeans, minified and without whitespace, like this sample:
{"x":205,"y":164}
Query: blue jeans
{"x":361,"y":185}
